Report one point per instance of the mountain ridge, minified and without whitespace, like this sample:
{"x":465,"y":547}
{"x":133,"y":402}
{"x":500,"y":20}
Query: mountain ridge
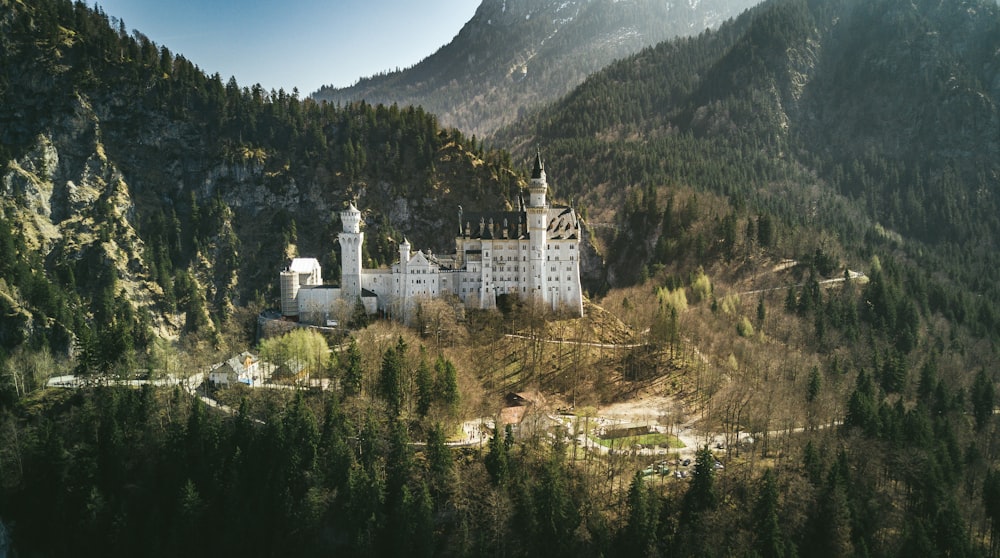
{"x":513,"y":55}
{"x":795,"y":86}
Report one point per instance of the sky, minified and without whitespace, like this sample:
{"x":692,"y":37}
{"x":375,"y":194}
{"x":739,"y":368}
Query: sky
{"x":296,"y":43}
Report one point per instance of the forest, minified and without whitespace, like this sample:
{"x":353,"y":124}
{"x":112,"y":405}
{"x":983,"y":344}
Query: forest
{"x":818,"y":301}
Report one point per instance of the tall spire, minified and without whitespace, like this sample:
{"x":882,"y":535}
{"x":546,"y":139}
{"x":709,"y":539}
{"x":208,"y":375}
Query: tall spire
{"x":539,"y":169}
{"x":537,"y":187}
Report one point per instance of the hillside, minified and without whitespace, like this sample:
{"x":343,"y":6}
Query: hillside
{"x":127,"y":169}
{"x":514,"y":55}
{"x":875,"y":122}
{"x":793,"y":351}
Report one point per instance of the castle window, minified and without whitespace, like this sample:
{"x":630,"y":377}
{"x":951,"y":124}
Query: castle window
{"x":572,"y":246}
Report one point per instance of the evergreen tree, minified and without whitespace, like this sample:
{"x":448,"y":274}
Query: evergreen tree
{"x":769,"y":540}
{"x":639,"y":534}
{"x":556,"y":515}
{"x":496,"y":460}
{"x":831,"y":524}
{"x":447,"y":384}
{"x":814,"y":385}
{"x":991,"y":504}
{"x":983,"y":399}
{"x":440,"y":468}
{"x":390,"y":381}
{"x":352,"y":372}
{"x":425,"y":388}
{"x":700,"y":496}
{"x":862,"y":408}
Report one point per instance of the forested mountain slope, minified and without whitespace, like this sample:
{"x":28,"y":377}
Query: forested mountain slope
{"x":518,"y":54}
{"x":875,"y":121}
{"x":736,"y":180}
{"x":134,"y":183}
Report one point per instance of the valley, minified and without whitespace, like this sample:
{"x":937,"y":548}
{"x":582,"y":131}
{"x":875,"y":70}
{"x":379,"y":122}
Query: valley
{"x":784,"y":242}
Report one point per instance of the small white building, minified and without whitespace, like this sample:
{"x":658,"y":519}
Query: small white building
{"x":532,"y":254}
{"x":244,"y":367}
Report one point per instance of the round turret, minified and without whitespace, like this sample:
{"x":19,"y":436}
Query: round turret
{"x":351,"y":219}
{"x":538,"y":187}
{"x":404,"y":251}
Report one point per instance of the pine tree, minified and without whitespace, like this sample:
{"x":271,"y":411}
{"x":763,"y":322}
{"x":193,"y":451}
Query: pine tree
{"x":991,"y":504}
{"x":639,"y":535}
{"x":768,"y":538}
{"x":814,"y":385}
{"x":831,"y":524}
{"x":983,"y":399}
{"x":352,"y":372}
{"x":440,"y":468}
{"x":496,"y":460}
{"x":425,"y":388}
{"x":447,"y":384}
{"x":390,"y":386}
{"x":556,"y":514}
{"x":700,"y":496}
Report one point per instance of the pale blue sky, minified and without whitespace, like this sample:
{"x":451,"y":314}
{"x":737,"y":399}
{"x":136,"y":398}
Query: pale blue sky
{"x":296,"y":43}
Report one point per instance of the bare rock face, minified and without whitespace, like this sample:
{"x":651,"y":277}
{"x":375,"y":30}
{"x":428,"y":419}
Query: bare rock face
{"x":593,"y":268}
{"x":73,"y":203}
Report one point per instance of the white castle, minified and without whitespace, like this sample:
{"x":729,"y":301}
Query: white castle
{"x":532,"y":254}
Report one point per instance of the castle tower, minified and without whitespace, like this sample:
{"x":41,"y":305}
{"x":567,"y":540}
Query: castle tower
{"x":351,"y":241}
{"x":404,"y":254}
{"x":403,"y":286}
{"x":289,"y":294}
{"x":537,"y":213}
{"x":538,"y":187}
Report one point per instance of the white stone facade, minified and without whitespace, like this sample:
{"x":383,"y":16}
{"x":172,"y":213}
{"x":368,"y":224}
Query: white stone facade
{"x":532,"y":254}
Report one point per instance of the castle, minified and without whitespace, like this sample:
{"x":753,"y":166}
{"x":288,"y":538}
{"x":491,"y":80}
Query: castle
{"x":532,"y":254}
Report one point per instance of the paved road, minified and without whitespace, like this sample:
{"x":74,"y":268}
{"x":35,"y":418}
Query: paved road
{"x":854,"y":275}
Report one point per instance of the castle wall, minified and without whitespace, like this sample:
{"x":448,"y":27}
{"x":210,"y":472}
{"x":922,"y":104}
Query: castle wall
{"x":532,"y":253}
{"x":316,"y":305}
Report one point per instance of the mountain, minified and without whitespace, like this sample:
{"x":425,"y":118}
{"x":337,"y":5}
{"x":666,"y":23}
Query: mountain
{"x":800,"y":218}
{"x":138,"y":191}
{"x":874,"y":121}
{"x":514,"y":55}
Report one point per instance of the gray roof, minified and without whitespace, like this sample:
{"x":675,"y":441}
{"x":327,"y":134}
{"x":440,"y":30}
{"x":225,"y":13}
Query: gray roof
{"x":490,"y":225}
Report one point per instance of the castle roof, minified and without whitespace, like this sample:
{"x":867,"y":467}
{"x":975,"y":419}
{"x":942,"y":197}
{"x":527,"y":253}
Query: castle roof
{"x":563,"y":224}
{"x":418,"y":260}
{"x":539,"y":167}
{"x":303,"y":265}
{"x":495,"y":225}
